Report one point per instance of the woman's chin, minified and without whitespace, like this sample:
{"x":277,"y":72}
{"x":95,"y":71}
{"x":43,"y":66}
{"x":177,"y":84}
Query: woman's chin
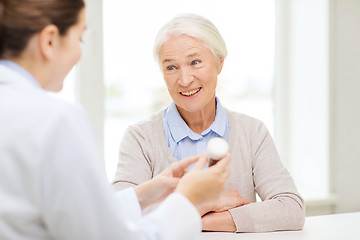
{"x":188,"y":108}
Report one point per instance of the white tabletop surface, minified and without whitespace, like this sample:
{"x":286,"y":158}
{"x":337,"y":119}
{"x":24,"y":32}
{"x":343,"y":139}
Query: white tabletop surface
{"x":327,"y":227}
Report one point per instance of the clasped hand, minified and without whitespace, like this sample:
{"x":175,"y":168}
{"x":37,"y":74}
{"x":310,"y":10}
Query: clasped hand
{"x":228,"y":199}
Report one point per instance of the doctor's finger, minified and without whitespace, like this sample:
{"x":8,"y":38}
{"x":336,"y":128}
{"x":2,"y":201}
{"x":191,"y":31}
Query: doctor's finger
{"x":185,"y":163}
{"x":179,"y":168}
{"x":222,"y":164}
{"x":203,"y":160}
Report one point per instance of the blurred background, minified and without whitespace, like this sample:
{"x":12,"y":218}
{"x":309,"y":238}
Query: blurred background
{"x":294,"y":64}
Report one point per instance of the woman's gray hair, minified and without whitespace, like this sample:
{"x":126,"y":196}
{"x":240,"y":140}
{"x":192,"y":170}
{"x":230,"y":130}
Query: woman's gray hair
{"x":194,"y":26}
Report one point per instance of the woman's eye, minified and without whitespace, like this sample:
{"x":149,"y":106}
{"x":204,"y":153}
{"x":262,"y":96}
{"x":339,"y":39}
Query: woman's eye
{"x":170,"y":68}
{"x":195,"y":62}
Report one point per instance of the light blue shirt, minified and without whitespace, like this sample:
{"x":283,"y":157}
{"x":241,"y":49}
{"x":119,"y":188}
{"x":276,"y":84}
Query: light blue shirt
{"x":19,"y":69}
{"x":182,"y":141}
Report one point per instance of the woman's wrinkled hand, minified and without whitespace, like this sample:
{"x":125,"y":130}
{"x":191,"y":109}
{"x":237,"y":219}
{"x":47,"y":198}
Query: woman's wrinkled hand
{"x":228,"y":199}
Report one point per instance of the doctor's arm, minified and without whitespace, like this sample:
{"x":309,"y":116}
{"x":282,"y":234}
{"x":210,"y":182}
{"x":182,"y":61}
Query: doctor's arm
{"x":77,"y":202}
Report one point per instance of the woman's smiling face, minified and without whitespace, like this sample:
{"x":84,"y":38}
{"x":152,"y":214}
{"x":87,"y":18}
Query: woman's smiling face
{"x":190,"y":71}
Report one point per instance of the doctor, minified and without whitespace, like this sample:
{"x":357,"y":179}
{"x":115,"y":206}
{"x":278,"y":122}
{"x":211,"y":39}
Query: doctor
{"x":52,"y":184}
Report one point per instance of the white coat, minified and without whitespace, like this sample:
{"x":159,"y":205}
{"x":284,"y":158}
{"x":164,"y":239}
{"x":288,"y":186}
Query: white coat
{"x":53,"y":184}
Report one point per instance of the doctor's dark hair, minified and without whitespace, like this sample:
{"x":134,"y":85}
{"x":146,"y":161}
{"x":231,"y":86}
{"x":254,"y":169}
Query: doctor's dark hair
{"x":21,"y":19}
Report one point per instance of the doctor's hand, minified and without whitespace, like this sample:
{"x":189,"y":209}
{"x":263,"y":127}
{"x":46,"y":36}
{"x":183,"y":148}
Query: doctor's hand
{"x":202,"y":186}
{"x":161,"y":186}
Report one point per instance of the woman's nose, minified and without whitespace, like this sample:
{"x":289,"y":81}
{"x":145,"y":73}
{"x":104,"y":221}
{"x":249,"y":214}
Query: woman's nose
{"x":186,"y":77}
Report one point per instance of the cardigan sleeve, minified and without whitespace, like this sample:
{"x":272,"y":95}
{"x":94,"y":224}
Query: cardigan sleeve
{"x":282,"y":207}
{"x":134,"y":165}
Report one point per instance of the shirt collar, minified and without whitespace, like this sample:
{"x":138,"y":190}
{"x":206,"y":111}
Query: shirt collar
{"x":179,"y":129}
{"x":19,"y":69}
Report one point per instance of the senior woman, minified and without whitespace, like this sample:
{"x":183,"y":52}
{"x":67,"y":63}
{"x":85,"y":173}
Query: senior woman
{"x":191,"y":54}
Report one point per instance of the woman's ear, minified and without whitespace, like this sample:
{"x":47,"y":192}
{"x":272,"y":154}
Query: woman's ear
{"x":220,"y":65}
{"x":48,"y":41}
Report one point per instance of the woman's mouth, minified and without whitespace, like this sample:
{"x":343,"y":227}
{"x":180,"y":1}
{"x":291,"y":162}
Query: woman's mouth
{"x":190,"y":93}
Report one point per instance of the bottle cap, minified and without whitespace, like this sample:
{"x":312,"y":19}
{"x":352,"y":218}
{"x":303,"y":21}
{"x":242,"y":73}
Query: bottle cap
{"x":217,"y":148}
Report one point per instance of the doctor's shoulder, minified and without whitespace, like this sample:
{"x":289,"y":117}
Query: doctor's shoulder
{"x":55,"y":111}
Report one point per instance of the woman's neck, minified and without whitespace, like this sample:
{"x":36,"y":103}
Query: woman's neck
{"x":201,"y":120}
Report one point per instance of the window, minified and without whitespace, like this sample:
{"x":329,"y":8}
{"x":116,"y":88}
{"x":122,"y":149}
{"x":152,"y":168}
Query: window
{"x":302,"y":105}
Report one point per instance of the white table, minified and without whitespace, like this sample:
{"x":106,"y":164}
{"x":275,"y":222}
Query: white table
{"x":327,"y":227}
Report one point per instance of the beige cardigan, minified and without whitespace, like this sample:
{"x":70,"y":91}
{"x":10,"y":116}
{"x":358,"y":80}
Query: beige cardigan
{"x":255,"y":168}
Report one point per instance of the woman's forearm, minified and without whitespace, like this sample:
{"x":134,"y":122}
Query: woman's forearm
{"x":218,"y":221}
